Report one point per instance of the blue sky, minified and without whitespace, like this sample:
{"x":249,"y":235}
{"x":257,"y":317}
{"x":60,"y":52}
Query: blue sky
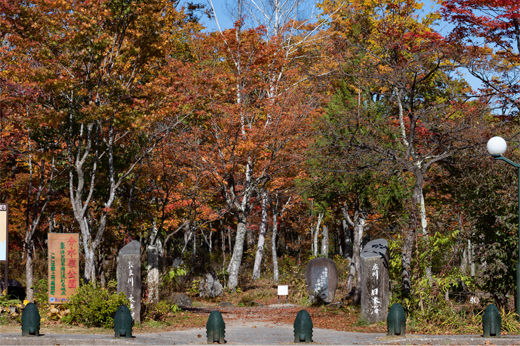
{"x":226,"y":22}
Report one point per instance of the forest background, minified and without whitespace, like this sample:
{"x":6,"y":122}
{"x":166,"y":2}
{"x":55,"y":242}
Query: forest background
{"x":281,"y":139}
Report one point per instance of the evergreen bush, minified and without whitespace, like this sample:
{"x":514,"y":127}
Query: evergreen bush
{"x":94,"y":306}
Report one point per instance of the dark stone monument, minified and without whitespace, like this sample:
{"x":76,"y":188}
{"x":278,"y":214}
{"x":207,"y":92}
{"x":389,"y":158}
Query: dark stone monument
{"x":129,"y":276}
{"x":303,"y":327}
{"x":210,"y":287}
{"x":491,"y":321}
{"x":321,"y":277}
{"x":215,"y":328}
{"x":375,"y":281}
{"x":396,"y":320}
{"x":30,"y":320}
{"x":123,"y":322}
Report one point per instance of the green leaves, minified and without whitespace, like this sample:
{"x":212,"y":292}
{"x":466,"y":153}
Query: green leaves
{"x":94,"y":306}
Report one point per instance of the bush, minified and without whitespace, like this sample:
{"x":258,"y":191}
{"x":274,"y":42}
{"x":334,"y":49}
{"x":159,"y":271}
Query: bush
{"x":41,"y":294}
{"x":94,"y":306}
{"x":159,"y":311}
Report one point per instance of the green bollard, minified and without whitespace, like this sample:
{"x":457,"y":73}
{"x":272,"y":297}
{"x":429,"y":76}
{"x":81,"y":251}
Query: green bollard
{"x":123,"y":322}
{"x":303,"y":327}
{"x":491,"y":321}
{"x":396,"y":320}
{"x":215,"y":328}
{"x":30,"y":320}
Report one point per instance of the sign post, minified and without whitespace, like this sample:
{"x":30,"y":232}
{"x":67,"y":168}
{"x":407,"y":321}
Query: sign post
{"x":4,"y":239}
{"x":283,"y":291}
{"x":63,"y":266}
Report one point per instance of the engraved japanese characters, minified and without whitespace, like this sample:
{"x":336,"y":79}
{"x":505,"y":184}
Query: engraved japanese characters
{"x":374,"y":283}
{"x":129,"y":276}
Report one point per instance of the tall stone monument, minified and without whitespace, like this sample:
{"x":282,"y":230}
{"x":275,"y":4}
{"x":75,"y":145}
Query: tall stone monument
{"x":129,"y":276}
{"x":321,"y":276}
{"x":375,"y":282}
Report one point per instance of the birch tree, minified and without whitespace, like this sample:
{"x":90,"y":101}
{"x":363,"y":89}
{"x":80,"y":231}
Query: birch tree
{"x":93,"y":63}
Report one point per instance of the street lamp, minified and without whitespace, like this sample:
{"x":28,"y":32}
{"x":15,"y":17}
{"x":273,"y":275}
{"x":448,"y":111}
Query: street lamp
{"x":496,"y":147}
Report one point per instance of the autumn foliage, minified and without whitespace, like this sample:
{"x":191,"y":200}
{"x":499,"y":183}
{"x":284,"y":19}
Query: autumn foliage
{"x":231,"y":150}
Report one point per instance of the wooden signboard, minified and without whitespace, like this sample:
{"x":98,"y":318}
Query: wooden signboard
{"x":63,"y":266}
{"x":4,"y":237}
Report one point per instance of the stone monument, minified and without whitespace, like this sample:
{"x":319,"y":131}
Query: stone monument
{"x":321,"y":277}
{"x":210,"y":287}
{"x":129,"y":276}
{"x":375,"y":282}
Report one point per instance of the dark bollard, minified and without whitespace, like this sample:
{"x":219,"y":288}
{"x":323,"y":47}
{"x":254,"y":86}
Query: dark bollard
{"x":396,"y":320}
{"x":215,"y":328}
{"x":303,"y":327}
{"x":491,"y":321}
{"x":123,"y":322}
{"x":30,"y":320}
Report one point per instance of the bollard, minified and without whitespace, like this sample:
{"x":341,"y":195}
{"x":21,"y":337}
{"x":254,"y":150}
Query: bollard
{"x":396,"y":320}
{"x":491,"y":321}
{"x":215,"y":328}
{"x":303,"y":327}
{"x":123,"y":322}
{"x":30,"y":320}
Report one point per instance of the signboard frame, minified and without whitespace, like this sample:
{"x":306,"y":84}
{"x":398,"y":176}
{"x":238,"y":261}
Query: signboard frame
{"x":283,"y":290}
{"x":4,"y":207}
{"x":63,"y":250}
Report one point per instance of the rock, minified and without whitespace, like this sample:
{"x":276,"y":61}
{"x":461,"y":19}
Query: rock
{"x":252,"y":303}
{"x":321,"y":277}
{"x":177,"y":262}
{"x":129,"y":276}
{"x":225,"y":305}
{"x":210,"y":287}
{"x":375,"y":281}
{"x":181,"y":300}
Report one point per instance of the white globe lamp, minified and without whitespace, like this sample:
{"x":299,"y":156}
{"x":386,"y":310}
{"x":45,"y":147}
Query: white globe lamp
{"x":496,"y":146}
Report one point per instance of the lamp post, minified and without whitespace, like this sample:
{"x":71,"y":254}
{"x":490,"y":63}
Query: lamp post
{"x":496,"y":146}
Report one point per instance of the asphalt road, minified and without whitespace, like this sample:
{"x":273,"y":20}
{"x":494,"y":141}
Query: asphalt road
{"x":255,"y":333}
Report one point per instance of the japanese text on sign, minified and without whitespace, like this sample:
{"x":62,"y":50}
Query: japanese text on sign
{"x":64,"y":254}
{"x":374,"y":296}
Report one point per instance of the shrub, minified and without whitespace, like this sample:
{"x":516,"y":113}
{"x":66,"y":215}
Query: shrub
{"x":94,"y":306}
{"x":41,"y":296}
{"x":159,"y":311}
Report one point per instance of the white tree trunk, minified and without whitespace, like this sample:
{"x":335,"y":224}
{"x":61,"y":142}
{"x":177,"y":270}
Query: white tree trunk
{"x":354,"y":273}
{"x":90,"y":269}
{"x":261,"y":237}
{"x":152,"y":278}
{"x":238,"y":250}
{"x":471,"y":260}
{"x":325,"y":241}
{"x":29,"y":273}
{"x":153,"y":273}
{"x":315,"y":242}
{"x":273,"y":248}
{"x":424,"y":225}
{"x":347,"y":252}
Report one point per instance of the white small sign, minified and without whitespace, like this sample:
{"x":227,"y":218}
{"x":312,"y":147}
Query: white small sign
{"x":283,"y":290}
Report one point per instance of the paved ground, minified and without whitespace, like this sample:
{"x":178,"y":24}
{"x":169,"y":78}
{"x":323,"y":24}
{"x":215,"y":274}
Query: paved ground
{"x":249,"y":333}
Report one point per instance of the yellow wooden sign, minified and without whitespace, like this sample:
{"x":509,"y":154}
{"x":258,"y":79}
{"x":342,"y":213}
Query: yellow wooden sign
{"x":63,"y":266}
